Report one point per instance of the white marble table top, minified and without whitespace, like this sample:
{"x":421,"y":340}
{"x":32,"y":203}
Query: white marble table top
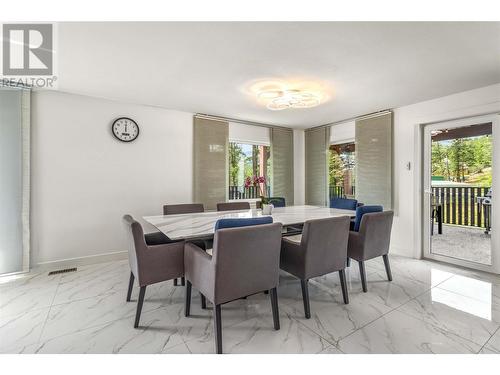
{"x":201,"y":225}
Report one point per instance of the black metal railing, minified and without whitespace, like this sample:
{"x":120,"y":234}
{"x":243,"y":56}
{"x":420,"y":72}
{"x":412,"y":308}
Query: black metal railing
{"x":241,"y":192}
{"x":460,"y":206}
{"x":339,"y":192}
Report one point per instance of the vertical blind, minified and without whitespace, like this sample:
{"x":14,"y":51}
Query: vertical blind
{"x":15,"y":178}
{"x":210,"y":154}
{"x":316,"y":173}
{"x":282,"y":164}
{"x":374,"y":160}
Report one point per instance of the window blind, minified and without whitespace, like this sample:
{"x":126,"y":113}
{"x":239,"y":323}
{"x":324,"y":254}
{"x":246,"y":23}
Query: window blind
{"x":282,"y":164}
{"x":15,"y":178}
{"x":374,"y":160}
{"x":316,"y":173}
{"x":210,"y":153}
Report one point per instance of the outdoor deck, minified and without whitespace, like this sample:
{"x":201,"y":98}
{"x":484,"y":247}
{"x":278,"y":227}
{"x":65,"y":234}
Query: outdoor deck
{"x":469,"y":243}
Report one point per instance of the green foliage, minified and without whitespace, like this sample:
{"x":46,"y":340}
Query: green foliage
{"x":336,"y":169}
{"x":235,"y":154}
{"x":463,"y":158}
{"x":248,"y":160}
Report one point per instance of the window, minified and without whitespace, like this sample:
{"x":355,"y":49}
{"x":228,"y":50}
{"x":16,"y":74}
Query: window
{"x":341,"y":170}
{"x":247,"y":161}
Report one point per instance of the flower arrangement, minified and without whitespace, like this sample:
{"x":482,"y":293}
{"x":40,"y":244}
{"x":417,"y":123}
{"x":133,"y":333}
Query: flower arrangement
{"x":259,"y":181}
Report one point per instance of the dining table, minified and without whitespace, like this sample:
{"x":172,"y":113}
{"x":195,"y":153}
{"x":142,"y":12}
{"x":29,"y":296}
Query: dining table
{"x":201,"y":225}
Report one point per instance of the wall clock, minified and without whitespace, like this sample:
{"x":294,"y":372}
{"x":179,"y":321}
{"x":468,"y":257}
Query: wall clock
{"x":125,"y":129}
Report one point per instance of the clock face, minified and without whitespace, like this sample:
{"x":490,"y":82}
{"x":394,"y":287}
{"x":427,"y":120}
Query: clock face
{"x":125,"y":129}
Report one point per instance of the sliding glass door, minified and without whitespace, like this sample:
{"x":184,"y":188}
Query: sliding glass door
{"x":460,"y":170}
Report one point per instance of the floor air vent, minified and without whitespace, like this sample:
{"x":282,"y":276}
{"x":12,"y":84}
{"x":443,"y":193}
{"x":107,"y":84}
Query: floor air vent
{"x":62,"y":271}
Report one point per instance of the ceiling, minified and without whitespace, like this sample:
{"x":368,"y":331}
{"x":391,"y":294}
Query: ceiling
{"x":208,"y":67}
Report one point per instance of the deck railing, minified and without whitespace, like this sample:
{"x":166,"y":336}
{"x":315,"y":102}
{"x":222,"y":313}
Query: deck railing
{"x":241,"y":192}
{"x":339,"y":192}
{"x":460,"y":206}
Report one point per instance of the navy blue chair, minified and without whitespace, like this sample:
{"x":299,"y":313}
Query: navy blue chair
{"x":235,"y":223}
{"x":360,"y":211}
{"x":343,"y":203}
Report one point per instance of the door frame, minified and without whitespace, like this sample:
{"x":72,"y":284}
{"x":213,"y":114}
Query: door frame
{"x":425,"y":183}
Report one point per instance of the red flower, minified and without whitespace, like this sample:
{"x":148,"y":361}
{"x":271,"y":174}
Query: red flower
{"x":248,"y":182}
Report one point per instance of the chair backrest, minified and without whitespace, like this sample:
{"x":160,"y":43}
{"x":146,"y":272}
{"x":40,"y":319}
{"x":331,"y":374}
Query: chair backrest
{"x":189,"y":208}
{"x":275,"y":201}
{"x":375,"y":231}
{"x":246,"y":260}
{"x":135,"y":241}
{"x":236,"y":222}
{"x":232,"y":206}
{"x":343,"y":203}
{"x":362,"y":210}
{"x":324,"y":243}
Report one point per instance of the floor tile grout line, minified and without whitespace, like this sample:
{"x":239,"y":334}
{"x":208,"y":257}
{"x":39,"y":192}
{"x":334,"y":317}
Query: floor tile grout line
{"x":381,"y":316}
{"x":48,"y":313}
{"x":487,"y":341}
{"x":438,"y":328}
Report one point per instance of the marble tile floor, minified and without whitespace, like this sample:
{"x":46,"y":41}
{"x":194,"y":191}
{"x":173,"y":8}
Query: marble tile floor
{"x":427,"y":308}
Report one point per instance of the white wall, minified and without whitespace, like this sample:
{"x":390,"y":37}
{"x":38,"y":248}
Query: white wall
{"x":84,"y":180}
{"x":406,"y":235}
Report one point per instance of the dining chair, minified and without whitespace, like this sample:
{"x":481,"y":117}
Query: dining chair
{"x":361,"y":210}
{"x":370,"y":241}
{"x":320,"y":250}
{"x":343,"y":203}
{"x":233,"y":206}
{"x":150,"y":264}
{"x":185,"y":208}
{"x":245,"y":261}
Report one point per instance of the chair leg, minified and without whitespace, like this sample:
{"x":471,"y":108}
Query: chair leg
{"x":175,"y":282}
{"x":218,"y":329}
{"x":203,"y":301}
{"x":387,"y":266}
{"x":362,"y":273}
{"x":274,"y":306}
{"x":343,"y":284}
{"x":183,"y":281}
{"x":187,"y":306}
{"x":130,"y":286}
{"x":140,"y":301}
{"x":305,"y":297}
{"x":348,"y":262}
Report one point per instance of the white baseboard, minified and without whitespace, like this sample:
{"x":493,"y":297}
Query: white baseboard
{"x":80,"y":261}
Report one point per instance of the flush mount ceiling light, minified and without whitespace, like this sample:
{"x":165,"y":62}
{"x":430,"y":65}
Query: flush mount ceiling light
{"x":278,"y":95}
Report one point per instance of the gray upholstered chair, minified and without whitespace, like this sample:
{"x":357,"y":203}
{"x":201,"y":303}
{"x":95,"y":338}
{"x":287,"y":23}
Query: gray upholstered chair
{"x":233,"y":206}
{"x":150,"y":264}
{"x":245,"y":261}
{"x":178,"y":209}
{"x":371,"y":241}
{"x":320,"y":250}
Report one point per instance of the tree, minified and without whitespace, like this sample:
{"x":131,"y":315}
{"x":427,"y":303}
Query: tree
{"x":235,"y":155}
{"x":336,"y":169}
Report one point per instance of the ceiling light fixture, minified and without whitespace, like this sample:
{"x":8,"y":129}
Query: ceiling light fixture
{"x":278,"y":95}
